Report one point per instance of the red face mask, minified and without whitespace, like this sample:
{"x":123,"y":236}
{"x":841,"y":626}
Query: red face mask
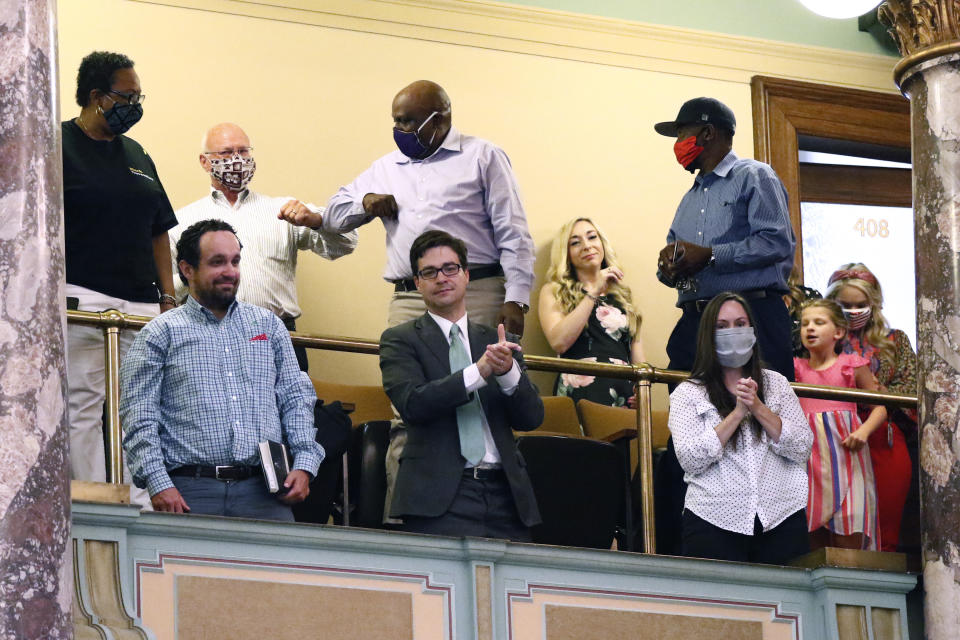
{"x":687,"y":150}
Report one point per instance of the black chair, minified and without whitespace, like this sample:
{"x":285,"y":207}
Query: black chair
{"x":367,"y":486}
{"x":581,"y":489}
{"x":333,"y":434}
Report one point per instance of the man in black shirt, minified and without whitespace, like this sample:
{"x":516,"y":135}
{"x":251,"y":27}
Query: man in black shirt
{"x":116,"y":217}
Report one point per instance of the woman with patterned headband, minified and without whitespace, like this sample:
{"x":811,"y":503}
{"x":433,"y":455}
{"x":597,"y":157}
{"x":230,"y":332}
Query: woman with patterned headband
{"x":894,"y":364}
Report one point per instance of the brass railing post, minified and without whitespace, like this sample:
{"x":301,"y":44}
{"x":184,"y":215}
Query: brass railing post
{"x":645,"y":454}
{"x":111,"y":346}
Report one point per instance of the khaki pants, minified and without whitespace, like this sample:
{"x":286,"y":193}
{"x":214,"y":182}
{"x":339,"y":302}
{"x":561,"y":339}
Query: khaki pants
{"x":484,"y":300}
{"x":86,"y":376}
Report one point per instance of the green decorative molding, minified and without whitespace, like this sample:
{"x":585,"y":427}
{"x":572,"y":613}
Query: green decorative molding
{"x":783,"y":20}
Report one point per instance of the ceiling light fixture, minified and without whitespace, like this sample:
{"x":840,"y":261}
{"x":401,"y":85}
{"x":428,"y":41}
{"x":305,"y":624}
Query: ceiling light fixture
{"x":840,"y":8}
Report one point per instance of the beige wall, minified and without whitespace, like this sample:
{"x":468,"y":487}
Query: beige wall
{"x":571,"y":99}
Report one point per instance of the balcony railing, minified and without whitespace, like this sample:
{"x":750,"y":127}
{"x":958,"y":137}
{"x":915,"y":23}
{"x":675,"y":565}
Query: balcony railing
{"x":643,"y":377}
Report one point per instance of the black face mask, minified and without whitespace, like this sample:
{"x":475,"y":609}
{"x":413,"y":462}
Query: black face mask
{"x":120,"y":117}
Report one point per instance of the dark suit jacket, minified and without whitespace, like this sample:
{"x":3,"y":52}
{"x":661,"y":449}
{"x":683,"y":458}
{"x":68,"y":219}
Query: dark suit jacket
{"x":415,"y":362}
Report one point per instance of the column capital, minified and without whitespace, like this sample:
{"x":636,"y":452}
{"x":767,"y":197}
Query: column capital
{"x":922,"y":29}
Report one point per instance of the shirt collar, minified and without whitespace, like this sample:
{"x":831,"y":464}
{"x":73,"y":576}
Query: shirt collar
{"x":451,"y":143}
{"x":199,"y":310}
{"x":445,"y":324}
{"x":218,"y":196}
{"x":720,"y":171}
{"x":723,"y":168}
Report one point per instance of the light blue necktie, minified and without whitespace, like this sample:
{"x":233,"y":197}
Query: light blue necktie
{"x":469,"y":419}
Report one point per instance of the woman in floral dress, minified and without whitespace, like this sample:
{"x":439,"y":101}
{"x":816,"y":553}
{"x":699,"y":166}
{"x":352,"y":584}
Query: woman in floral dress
{"x":587,"y":313}
{"x":894,"y":363}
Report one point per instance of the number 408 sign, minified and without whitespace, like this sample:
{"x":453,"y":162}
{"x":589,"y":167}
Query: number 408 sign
{"x":872,"y":228}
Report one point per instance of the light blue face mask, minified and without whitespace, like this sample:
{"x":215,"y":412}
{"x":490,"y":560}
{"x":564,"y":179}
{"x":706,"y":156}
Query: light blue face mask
{"x":735,"y":346}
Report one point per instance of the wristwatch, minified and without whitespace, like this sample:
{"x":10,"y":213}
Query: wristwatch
{"x":523,"y":307}
{"x":712,"y":261}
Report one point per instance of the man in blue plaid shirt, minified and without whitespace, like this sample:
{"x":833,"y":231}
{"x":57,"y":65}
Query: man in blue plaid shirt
{"x":204,"y":383}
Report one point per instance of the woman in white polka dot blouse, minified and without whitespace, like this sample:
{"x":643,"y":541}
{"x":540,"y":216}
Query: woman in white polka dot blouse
{"x":743,"y":443}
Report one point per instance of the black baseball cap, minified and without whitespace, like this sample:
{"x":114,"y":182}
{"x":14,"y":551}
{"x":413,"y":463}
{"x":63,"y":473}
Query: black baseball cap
{"x":699,"y":111}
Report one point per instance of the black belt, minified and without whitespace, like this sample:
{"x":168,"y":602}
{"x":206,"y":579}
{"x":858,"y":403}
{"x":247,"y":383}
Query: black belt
{"x":478,"y":272}
{"x":485,"y":473}
{"x":220,"y":472}
{"x":751,"y":294}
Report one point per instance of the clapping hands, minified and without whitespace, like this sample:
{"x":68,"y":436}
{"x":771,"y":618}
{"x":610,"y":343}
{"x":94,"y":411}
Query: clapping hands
{"x":498,"y":357}
{"x":746,"y":394}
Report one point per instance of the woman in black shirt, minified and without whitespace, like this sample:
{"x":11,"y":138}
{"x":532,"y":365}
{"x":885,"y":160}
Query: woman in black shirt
{"x":116,"y":217}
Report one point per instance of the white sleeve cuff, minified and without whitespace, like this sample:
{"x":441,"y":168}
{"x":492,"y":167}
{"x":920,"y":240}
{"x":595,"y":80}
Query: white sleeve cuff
{"x":472,"y":379}
{"x":510,"y":380}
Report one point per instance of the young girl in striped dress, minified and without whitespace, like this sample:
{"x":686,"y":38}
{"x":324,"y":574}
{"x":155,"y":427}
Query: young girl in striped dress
{"x":842,"y":507}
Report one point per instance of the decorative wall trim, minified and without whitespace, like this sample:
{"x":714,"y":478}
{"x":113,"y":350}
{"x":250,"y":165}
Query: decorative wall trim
{"x":776,"y":614}
{"x":98,"y":593}
{"x":158,"y":551}
{"x":571,"y":36}
{"x":165,"y":561}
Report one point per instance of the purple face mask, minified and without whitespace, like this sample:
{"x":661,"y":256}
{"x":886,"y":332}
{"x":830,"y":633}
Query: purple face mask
{"x":409,"y":141}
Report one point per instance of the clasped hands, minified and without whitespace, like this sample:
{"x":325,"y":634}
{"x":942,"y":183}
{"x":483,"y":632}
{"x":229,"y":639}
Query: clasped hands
{"x":746,"y":394}
{"x":498,"y":357}
{"x":690,"y":259}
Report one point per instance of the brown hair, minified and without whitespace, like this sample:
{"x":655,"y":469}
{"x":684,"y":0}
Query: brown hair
{"x":707,"y":371}
{"x":834,"y":312}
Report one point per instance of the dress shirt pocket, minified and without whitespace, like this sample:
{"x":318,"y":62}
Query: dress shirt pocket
{"x":258,"y":361}
{"x":274,"y":246}
{"x":459,"y":192}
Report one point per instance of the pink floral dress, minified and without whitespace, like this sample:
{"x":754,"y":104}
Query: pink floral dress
{"x":606,"y":338}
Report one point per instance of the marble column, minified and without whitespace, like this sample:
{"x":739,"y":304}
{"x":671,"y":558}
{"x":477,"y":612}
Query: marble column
{"x":36,"y":568}
{"x":929,"y":75}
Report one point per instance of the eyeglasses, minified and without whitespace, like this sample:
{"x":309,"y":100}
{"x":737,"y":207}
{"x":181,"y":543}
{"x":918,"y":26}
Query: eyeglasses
{"x":243,"y":152}
{"x":448,"y":269}
{"x":131,"y":98}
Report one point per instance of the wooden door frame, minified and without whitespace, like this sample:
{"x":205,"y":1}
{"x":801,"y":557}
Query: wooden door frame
{"x":784,"y":109}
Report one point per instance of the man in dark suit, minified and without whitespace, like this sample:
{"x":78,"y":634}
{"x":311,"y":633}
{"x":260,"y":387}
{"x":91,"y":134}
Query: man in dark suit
{"x":460,"y":472}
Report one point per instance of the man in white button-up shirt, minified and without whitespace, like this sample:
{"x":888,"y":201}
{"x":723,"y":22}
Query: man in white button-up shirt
{"x":272,"y":230}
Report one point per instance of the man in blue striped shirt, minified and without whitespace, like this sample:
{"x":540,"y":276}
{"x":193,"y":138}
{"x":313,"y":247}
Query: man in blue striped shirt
{"x":203,"y":384}
{"x":731,"y":232}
